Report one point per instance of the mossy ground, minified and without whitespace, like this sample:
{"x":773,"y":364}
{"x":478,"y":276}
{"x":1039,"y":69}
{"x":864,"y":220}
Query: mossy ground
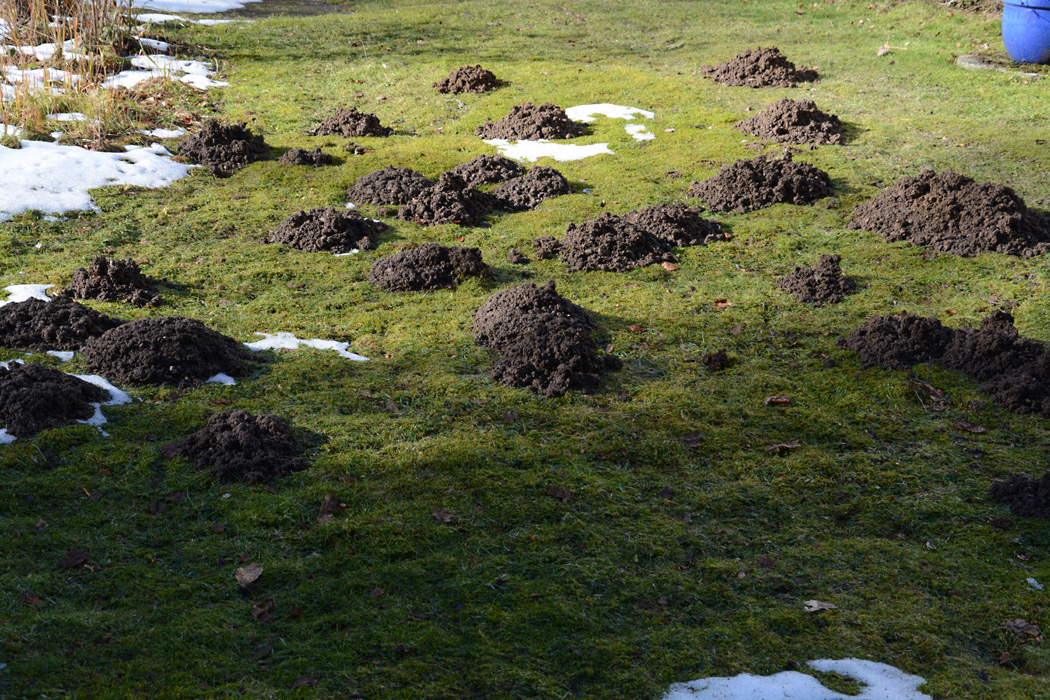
{"x":673,"y":562}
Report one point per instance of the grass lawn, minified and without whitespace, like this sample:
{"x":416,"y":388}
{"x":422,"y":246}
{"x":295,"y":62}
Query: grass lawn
{"x":674,"y":561}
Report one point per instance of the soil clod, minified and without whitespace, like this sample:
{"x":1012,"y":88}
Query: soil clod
{"x":300,"y":156}
{"x":238,"y":446}
{"x":427,"y":267}
{"x":118,"y":281}
{"x":794,"y":121}
{"x":224,"y":147}
{"x":1027,"y":497}
{"x":528,"y":122}
{"x":747,"y":185}
{"x":389,"y":186}
{"x":612,"y":244}
{"x":328,"y":229}
{"x":35,"y":398}
{"x":678,"y":224}
{"x":468,"y":79}
{"x":716,"y":361}
{"x":898,"y":341}
{"x":450,"y":201}
{"x":348,"y":122}
{"x":821,"y":284}
{"x":759,"y":67}
{"x":488,"y":170}
{"x":526,"y":192}
{"x":61,"y":324}
{"x":547,"y":247}
{"x":516,"y":257}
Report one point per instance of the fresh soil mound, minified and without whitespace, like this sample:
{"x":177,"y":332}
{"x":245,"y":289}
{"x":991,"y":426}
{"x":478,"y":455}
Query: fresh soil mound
{"x":450,"y":201}
{"x":547,"y":247}
{"x":747,"y":185}
{"x":612,"y":244}
{"x":526,"y":192}
{"x":336,"y":230}
{"x":430,"y":266}
{"x":35,"y":398}
{"x":488,"y":170}
{"x":1027,"y":497}
{"x":115,"y":281}
{"x":171,"y":351}
{"x":759,"y":68}
{"x":237,"y":446}
{"x":898,"y":341}
{"x":527,"y":122}
{"x":794,"y":121}
{"x":300,"y":156}
{"x":224,"y":147}
{"x":468,"y":79}
{"x":516,"y":257}
{"x":821,"y":284}
{"x":678,"y":224}
{"x":389,"y":186}
{"x":350,"y":123}
{"x":545,"y":341}
{"x":952,"y":213}
{"x":61,"y":324}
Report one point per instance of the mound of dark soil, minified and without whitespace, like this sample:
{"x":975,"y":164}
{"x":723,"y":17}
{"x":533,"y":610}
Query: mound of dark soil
{"x":349,"y":122}
{"x":61,"y":324}
{"x":516,"y":257}
{"x":898,"y":341}
{"x":526,"y":192}
{"x":238,"y":446}
{"x":759,"y":68}
{"x":821,"y":284}
{"x":678,"y":224}
{"x":336,"y":230}
{"x":300,"y":156}
{"x":1027,"y":497}
{"x":716,"y":361}
{"x":612,"y":244}
{"x":544,"y":339}
{"x":794,"y":121}
{"x":547,"y":247}
{"x":35,"y":398}
{"x":224,"y":147}
{"x":450,"y":201}
{"x":116,"y":281}
{"x":527,"y":122}
{"x":430,"y":266}
{"x":171,"y":351}
{"x":468,"y":79}
{"x":747,"y":185}
{"x":389,"y":186}
{"x":488,"y":170}
{"x":952,"y":213}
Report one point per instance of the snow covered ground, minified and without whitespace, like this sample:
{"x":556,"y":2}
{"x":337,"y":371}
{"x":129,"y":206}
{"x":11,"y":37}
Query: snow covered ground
{"x":531,"y":151}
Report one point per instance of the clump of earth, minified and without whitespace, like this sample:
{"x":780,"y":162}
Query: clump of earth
{"x":224,"y":147}
{"x":516,"y":257}
{"x":61,"y":324}
{"x":529,"y":122}
{"x":747,"y":185}
{"x":716,"y":360}
{"x":427,"y":267}
{"x":328,"y":229}
{"x":489,"y":170}
{"x":348,"y":122}
{"x":898,"y":341}
{"x":1027,"y":497}
{"x":300,"y":156}
{"x":450,"y":201}
{"x":794,"y":121}
{"x":547,"y":247}
{"x":238,"y":446}
{"x":468,"y":79}
{"x":759,"y":67}
{"x":118,"y":281}
{"x":952,"y":213}
{"x":821,"y":284}
{"x":389,"y":186}
{"x":526,"y":192}
{"x":678,"y":224}
{"x":172,"y":351}
{"x":35,"y":398}
{"x":544,"y":340}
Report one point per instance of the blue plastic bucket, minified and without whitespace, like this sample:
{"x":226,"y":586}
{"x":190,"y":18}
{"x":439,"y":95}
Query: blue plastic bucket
{"x":1026,"y":30}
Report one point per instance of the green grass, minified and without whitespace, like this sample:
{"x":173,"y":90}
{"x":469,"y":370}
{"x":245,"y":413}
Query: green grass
{"x":883,"y":510}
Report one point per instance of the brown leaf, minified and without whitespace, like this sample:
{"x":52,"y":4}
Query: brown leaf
{"x":670,"y":267}
{"x":782,"y":448}
{"x":218,"y":528}
{"x":75,"y":557}
{"x":304,"y":682}
{"x":693,"y":440}
{"x":777,"y":401}
{"x":460,"y":239}
{"x":561,"y":492}
{"x":635,"y":328}
{"x":722,"y":303}
{"x":376,"y":592}
{"x":818,"y":605}
{"x":30,"y":599}
{"x":329,"y":505}
{"x":1028,"y":631}
{"x":441,"y":515}
{"x":261,"y":611}
{"x":247,"y":575}
{"x":883,"y":50}
{"x":263,"y":651}
{"x":968,"y":427}
{"x":168,"y":451}
{"x":737,"y":329}
{"x":666,"y":492}
{"x":938,"y":399}
{"x":766,"y":563}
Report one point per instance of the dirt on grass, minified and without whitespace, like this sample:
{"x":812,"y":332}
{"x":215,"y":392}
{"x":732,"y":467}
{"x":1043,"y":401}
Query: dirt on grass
{"x":898,"y":341}
{"x":546,"y":247}
{"x":529,"y":122}
{"x":1027,"y":497}
{"x":450,"y":201}
{"x":300,"y":156}
{"x":526,"y":192}
{"x":747,"y":185}
{"x":171,"y":351}
{"x":952,"y":213}
{"x":35,"y":398}
{"x":544,"y":340}
{"x":678,"y":224}
{"x":759,"y":67}
{"x":328,"y":229}
{"x":794,"y":121}
{"x":348,"y":122}
{"x":516,"y":257}
{"x":489,"y":170}
{"x":821,"y":284}
{"x":238,"y":446}
{"x":612,"y":244}
{"x":60,"y":324}
{"x":118,"y":281}
{"x":468,"y":79}
{"x":427,"y":267}
{"x":389,"y":186}
{"x":224,"y":148}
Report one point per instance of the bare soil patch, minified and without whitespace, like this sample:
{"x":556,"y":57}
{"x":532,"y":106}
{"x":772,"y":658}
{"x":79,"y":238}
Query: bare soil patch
{"x":389,"y":186}
{"x":348,"y":122}
{"x":612,"y":244}
{"x":489,"y":170}
{"x":794,"y":121}
{"x":238,"y":446}
{"x":898,"y":341}
{"x":118,"y":281}
{"x":821,"y":284}
{"x":547,"y":247}
{"x":678,"y":224}
{"x":60,"y":324}
{"x":35,"y":398}
{"x":759,"y":67}
{"x":1027,"y":497}
{"x":450,"y":201}
{"x":528,"y":122}
{"x":468,"y":79}
{"x":427,"y":267}
{"x":526,"y":192}
{"x":224,"y":148}
{"x":300,"y":156}
{"x":747,"y":185}
{"x":328,"y":229}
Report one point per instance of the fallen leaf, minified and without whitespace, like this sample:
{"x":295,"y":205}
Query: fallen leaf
{"x":1029,"y":631}
{"x":939,"y":399}
{"x":304,"y":682}
{"x":30,"y":599}
{"x":722,"y":303}
{"x":261,"y":611}
{"x":818,"y":605}
{"x":883,"y":50}
{"x":670,"y":267}
{"x":737,"y":329}
{"x":329,"y":505}
{"x":441,"y":515}
{"x":666,"y":492}
{"x":693,"y":440}
{"x":169,"y":451}
{"x":218,"y":528}
{"x":777,"y":401}
{"x":376,"y":592}
{"x":967,"y":426}
{"x":75,"y":557}
{"x":263,"y":651}
{"x":635,"y":328}
{"x":247,"y":575}
{"x":460,"y":239}
{"x":766,"y":563}
{"x":561,"y":492}
{"x":782,"y":448}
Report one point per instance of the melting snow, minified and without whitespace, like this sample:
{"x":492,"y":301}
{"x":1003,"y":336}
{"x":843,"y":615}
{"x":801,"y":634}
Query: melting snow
{"x":63,"y":355}
{"x":117,"y":397}
{"x":195,"y":73}
{"x":194,"y":6}
{"x":164,"y":133}
{"x":587,"y":113}
{"x":222,"y":378}
{"x":532,"y":151}
{"x":22,"y":292}
{"x":277,"y":341}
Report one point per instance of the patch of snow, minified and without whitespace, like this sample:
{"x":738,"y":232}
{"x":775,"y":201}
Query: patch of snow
{"x":532,"y":151}
{"x":351,"y":205}
{"x":881,"y":682}
{"x":195,"y":73}
{"x":638,"y":132}
{"x":277,"y":341}
{"x":190,"y":6}
{"x":5,"y":437}
{"x":68,"y":117}
{"x":22,"y":292}
{"x":587,"y":113}
{"x":355,"y":251}
{"x":12,"y":130}
{"x":154,"y":44}
{"x":116,"y":398}
{"x":1035,"y":584}
{"x":164,"y":133}
{"x":222,"y":378}
{"x":63,"y":355}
